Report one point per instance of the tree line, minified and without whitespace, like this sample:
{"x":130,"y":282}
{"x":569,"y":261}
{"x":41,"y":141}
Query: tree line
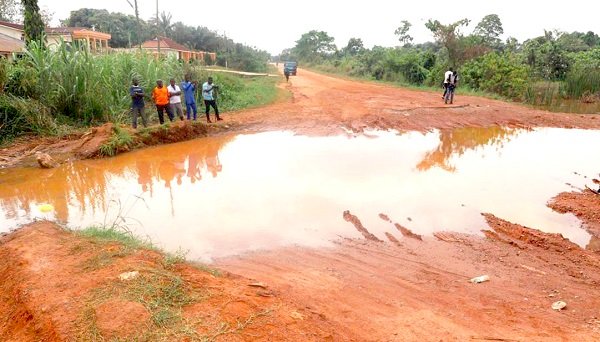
{"x":566,"y":61}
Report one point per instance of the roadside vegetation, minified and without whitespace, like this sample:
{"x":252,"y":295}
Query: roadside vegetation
{"x":546,"y":71}
{"x":52,"y":92}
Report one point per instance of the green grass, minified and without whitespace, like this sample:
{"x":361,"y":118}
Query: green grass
{"x":127,"y":239}
{"x":121,"y":140}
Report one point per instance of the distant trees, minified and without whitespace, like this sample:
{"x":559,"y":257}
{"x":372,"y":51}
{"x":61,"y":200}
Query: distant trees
{"x":314,"y":45}
{"x":354,"y":47}
{"x":489,"y":30}
{"x":448,"y":36}
{"x":486,"y":62}
{"x":129,"y":31}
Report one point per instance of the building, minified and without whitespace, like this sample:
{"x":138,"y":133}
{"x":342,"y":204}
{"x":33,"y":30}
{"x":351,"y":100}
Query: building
{"x":169,"y":47}
{"x":9,"y":32}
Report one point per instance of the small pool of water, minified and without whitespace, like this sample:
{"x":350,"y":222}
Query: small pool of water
{"x":225,"y":195}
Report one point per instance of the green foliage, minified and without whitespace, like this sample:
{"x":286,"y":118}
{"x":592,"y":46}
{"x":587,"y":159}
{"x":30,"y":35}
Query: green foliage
{"x":129,"y":31}
{"x":84,"y":87}
{"x":582,"y":82}
{"x":121,"y":140}
{"x":502,"y":74}
{"x":314,"y":46}
{"x":354,"y":47}
{"x":449,"y":36}
{"x":109,"y":235}
{"x":547,"y":59}
{"x":489,"y":29}
{"x":34,"y":26}
{"x":19,"y":115}
{"x":125,"y":30}
{"x":586,"y":60}
{"x":237,"y":92}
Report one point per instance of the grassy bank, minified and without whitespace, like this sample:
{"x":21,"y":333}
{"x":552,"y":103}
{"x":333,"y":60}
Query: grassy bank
{"x":51,"y":92}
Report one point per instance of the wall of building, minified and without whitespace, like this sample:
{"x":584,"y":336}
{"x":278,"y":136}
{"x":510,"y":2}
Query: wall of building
{"x":12,"y":32}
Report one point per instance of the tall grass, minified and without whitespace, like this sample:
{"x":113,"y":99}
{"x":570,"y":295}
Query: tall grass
{"x":85,"y":87}
{"x":582,"y":82}
{"x":70,"y":85}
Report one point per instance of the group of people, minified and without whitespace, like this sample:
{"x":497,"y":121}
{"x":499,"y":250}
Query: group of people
{"x":450,"y":83}
{"x":168,"y":99}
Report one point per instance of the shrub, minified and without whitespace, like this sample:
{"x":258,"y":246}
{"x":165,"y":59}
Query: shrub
{"x":503,"y":74}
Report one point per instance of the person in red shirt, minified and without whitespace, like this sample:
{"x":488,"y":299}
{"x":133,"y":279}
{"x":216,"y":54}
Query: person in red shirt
{"x":160,"y":95}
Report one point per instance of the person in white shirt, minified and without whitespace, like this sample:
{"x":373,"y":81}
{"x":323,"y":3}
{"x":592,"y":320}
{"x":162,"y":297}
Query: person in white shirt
{"x":447,"y":81}
{"x":175,"y":99}
{"x":209,"y":90}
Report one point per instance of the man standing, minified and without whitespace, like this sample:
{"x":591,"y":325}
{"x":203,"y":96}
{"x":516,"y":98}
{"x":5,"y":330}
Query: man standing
{"x":189,"y":91}
{"x":175,"y":99}
{"x":137,"y":104}
{"x":447,"y":81}
{"x":160,"y":95}
{"x":208,"y":89}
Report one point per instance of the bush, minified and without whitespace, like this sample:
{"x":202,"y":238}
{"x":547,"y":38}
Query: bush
{"x":581,"y":82}
{"x":503,"y":74}
{"x":19,"y":116}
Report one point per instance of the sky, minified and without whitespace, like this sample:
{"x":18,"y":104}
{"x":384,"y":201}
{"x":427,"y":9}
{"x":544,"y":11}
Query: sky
{"x":275,"y":25}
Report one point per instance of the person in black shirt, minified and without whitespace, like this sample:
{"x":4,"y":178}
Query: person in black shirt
{"x":137,"y":104}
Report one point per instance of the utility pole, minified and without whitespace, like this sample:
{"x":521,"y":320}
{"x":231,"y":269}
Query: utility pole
{"x":157,"y":30}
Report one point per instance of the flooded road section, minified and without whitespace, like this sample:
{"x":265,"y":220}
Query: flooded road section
{"x":220,"y":196}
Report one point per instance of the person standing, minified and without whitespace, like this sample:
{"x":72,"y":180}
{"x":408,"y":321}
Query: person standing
{"x":175,"y":99}
{"x":447,"y":81}
{"x":208,"y":93}
{"x":137,"y":104}
{"x":160,"y":95}
{"x":189,"y":91}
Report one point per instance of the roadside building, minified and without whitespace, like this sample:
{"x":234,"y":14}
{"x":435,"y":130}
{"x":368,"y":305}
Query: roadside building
{"x":169,"y":47}
{"x":12,"y":37}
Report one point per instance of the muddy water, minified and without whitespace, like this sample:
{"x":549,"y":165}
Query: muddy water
{"x":225,"y":195}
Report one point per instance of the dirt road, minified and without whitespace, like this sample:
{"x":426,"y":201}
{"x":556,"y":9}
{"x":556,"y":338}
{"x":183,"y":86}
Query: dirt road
{"x":327,"y":105}
{"x":407,"y":288}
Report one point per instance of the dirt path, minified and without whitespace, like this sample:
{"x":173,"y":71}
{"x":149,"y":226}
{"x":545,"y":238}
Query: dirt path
{"x":411,"y":290}
{"x":58,"y":286}
{"x":323,"y":105}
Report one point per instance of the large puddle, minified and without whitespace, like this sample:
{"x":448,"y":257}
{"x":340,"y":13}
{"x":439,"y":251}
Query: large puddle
{"x":226,"y":195}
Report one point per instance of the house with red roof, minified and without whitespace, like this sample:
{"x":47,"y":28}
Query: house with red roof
{"x":169,"y":47}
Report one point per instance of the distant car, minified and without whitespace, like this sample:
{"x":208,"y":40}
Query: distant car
{"x":290,"y":68}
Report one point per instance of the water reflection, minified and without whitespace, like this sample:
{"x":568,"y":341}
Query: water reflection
{"x":85,"y":185}
{"x":225,"y":195}
{"x":455,"y":142}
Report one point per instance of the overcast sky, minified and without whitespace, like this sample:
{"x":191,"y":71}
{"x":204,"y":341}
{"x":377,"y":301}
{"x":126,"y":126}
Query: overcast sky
{"x":275,"y":25}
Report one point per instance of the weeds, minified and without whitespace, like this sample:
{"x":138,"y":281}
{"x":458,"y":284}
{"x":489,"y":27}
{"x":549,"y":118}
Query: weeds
{"x":120,"y":141}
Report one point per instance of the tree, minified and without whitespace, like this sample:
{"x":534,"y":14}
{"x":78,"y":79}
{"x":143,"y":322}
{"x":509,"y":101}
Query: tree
{"x":314,"y":45}
{"x":165,"y":27}
{"x":448,"y":36}
{"x":9,"y":10}
{"x":125,"y":30}
{"x":354,"y":47}
{"x":34,"y":26}
{"x":489,"y":29}
{"x":402,"y":33}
